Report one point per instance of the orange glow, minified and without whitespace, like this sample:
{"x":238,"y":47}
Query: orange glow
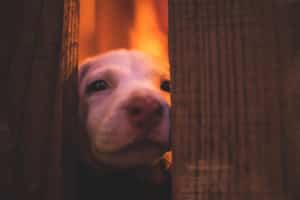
{"x":146,"y":34}
{"x":131,"y":24}
{"x":87,"y":29}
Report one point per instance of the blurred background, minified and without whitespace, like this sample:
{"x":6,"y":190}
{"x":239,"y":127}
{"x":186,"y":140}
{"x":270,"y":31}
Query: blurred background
{"x":131,"y":24}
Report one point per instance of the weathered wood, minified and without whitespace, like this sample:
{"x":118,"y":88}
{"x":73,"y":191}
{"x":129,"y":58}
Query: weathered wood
{"x":235,"y":104}
{"x":8,"y":35}
{"x":42,"y":108}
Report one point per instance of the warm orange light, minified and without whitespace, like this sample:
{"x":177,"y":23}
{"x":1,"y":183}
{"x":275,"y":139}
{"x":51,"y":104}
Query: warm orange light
{"x":146,"y":34}
{"x":87,"y":33}
{"x":131,"y":24}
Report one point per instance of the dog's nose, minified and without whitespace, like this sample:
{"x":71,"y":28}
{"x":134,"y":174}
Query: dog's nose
{"x":144,"y":111}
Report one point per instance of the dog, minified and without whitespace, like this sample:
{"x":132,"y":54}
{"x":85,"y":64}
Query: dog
{"x":124,"y":115}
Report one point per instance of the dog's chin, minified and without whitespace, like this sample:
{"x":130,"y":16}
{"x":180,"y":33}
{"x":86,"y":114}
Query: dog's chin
{"x":135,"y":155}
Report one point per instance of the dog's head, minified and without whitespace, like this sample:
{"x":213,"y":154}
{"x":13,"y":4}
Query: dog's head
{"x":124,"y":108}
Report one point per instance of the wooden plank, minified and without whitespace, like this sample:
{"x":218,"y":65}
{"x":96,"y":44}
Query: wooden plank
{"x":43,"y":101}
{"x":235,"y":111}
{"x":9,"y":34}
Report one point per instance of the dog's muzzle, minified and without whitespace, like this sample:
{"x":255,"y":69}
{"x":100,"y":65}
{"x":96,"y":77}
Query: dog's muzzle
{"x":144,"y":112}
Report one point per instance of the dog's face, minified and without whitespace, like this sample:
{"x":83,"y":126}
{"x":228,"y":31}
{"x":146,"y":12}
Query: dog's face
{"x":124,"y":108}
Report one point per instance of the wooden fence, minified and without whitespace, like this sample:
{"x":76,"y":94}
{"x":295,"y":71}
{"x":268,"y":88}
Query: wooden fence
{"x":235,"y":102}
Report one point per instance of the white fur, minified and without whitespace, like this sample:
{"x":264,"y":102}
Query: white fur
{"x":104,"y":117}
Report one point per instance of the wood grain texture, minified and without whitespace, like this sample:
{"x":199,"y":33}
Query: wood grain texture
{"x":8,"y":37}
{"x":235,"y":111}
{"x":43,"y":100}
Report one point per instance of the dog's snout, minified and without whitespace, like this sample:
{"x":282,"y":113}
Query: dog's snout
{"x":144,"y":111}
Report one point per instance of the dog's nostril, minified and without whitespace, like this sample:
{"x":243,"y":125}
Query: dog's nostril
{"x":145,"y":113}
{"x":145,"y":110}
{"x":135,"y":110}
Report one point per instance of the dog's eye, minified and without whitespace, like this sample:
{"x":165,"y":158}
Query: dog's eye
{"x":165,"y":85}
{"x":97,"y":85}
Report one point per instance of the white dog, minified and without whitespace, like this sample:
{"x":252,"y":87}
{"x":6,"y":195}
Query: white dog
{"x":124,"y":108}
